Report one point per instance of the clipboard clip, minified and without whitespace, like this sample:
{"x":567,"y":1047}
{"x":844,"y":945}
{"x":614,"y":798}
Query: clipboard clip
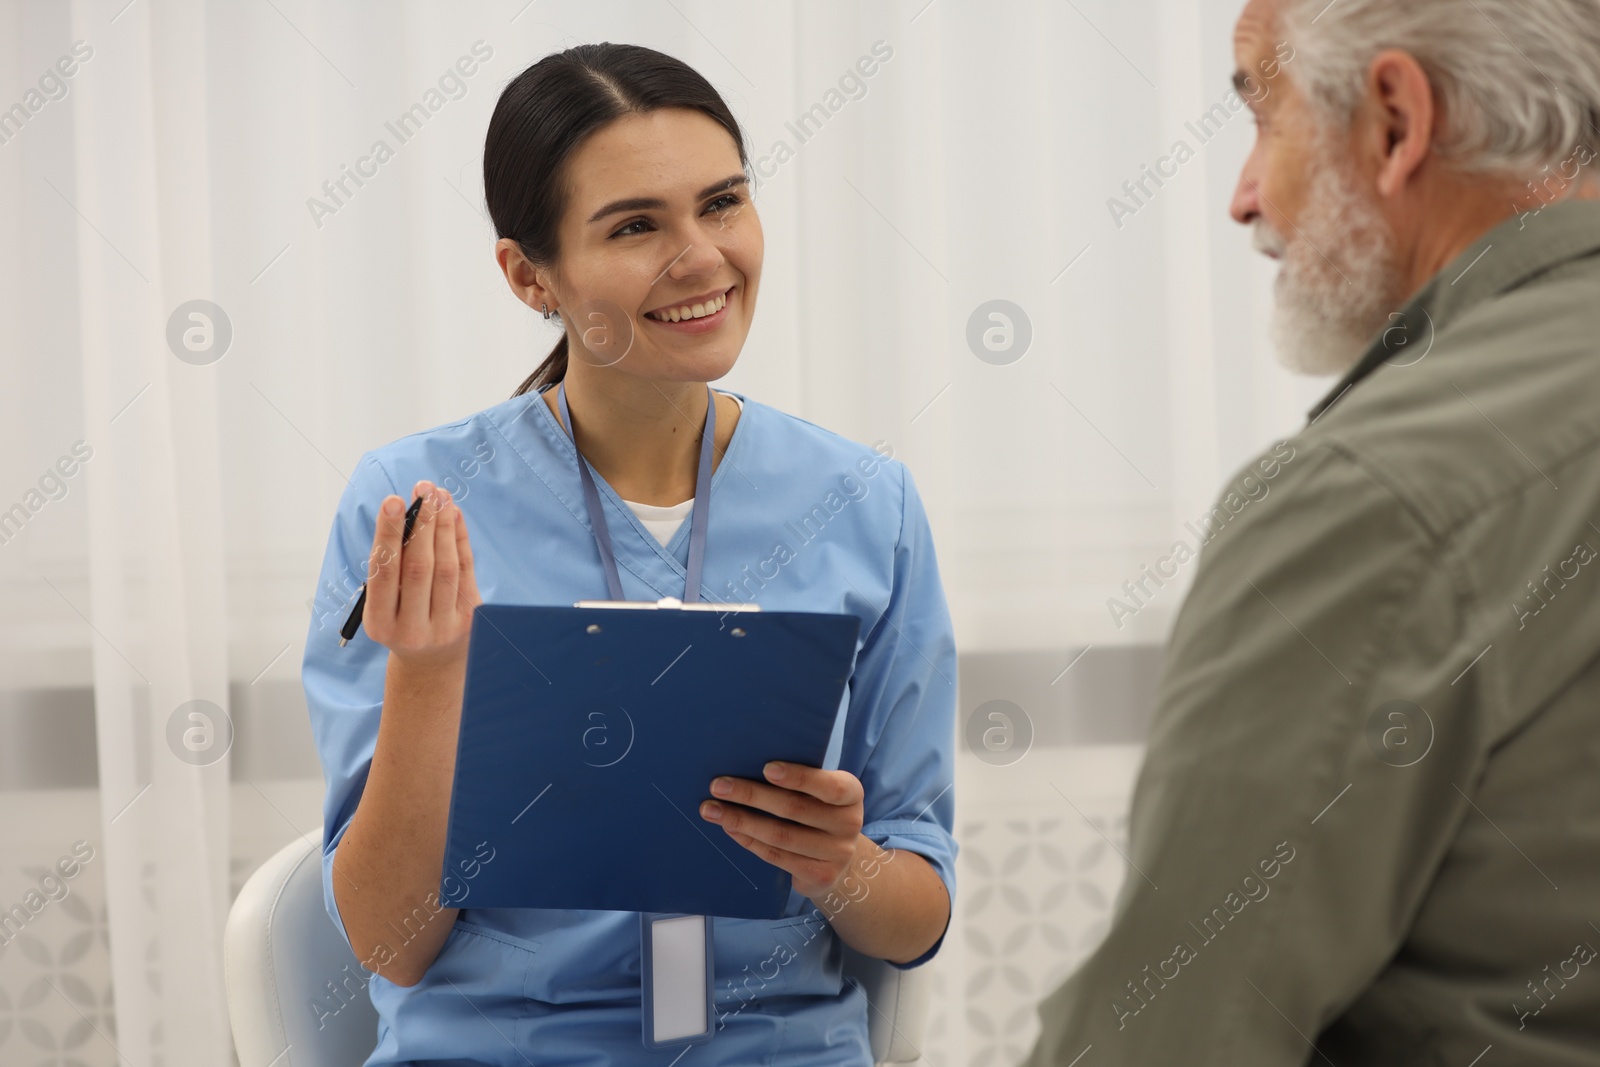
{"x":667,"y":602}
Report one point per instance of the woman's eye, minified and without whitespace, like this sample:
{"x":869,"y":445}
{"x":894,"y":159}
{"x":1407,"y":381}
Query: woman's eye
{"x":628,"y":230}
{"x":722,"y":204}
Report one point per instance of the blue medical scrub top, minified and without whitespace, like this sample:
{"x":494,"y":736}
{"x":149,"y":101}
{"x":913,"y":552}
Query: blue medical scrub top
{"x":805,"y":520}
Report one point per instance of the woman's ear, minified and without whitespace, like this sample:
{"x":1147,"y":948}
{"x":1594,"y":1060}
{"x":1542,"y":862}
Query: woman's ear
{"x":531,"y":284}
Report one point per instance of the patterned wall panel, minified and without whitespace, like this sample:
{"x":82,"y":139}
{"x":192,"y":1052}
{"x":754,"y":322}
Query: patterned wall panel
{"x":1039,"y":867}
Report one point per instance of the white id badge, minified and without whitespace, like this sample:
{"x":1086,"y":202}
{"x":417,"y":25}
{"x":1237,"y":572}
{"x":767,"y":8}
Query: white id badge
{"x":677,"y":978}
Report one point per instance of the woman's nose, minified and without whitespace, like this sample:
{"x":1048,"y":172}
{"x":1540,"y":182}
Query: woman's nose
{"x":700,"y":256}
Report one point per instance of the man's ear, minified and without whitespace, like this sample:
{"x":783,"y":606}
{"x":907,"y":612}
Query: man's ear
{"x":1403,"y":118}
{"x":531,"y":284}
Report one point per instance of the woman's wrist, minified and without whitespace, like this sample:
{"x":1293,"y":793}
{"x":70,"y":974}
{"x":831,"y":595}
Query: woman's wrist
{"x":431,"y":669}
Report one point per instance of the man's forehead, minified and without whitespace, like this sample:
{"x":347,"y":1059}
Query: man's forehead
{"x":1253,"y":33}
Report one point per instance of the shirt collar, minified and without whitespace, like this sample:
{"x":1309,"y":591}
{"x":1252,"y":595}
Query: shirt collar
{"x":1507,"y":256}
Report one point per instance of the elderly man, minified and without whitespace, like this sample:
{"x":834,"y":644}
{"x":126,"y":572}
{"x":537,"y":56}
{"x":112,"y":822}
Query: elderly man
{"x":1367,"y":831}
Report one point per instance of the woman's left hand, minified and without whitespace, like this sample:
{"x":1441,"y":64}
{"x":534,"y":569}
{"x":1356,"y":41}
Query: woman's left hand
{"x":810,"y":828}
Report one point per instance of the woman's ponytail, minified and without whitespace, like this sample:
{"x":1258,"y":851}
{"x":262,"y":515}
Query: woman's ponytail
{"x":551,"y":371}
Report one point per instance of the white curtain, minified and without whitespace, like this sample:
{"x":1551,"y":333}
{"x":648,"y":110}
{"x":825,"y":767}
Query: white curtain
{"x":166,"y":580}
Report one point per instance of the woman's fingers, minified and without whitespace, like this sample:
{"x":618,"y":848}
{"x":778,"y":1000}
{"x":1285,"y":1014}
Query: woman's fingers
{"x":470,"y":597}
{"x":809,"y":826}
{"x":807,"y":870}
{"x":817,"y":878}
{"x":421,"y":590}
{"x":784,"y":803}
{"x":782,"y":835}
{"x":416,"y":568}
{"x":839,"y":788}
{"x":446,"y":568}
{"x":827,"y":800}
{"x":787,"y":819}
{"x":383,"y":568}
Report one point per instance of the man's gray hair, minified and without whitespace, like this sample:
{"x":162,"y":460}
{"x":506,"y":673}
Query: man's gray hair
{"x":1518,"y":81}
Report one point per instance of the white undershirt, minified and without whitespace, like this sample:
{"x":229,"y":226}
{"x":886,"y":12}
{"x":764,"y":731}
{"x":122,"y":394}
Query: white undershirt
{"x":664,"y":522}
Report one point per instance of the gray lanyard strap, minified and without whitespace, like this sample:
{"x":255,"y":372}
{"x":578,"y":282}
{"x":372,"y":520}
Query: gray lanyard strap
{"x":679,"y":1009}
{"x":698,"y":521}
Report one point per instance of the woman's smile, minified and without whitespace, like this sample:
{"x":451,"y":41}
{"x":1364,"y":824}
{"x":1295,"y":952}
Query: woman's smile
{"x":697,"y":315}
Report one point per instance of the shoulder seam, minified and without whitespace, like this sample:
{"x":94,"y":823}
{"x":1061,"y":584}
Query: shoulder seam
{"x":378,"y":463}
{"x":1440,"y":526}
{"x":1399,"y":493}
{"x":834,"y":434}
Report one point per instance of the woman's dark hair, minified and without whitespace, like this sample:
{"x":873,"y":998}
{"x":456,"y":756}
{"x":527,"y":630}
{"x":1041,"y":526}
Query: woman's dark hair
{"x":542,"y":117}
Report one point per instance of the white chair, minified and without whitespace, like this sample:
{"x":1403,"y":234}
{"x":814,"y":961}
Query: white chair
{"x":298,"y":998}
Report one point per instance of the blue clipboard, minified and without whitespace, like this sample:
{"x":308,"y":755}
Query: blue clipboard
{"x":589,"y":738}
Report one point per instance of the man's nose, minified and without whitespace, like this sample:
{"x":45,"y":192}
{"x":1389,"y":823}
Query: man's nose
{"x":1245,"y":207}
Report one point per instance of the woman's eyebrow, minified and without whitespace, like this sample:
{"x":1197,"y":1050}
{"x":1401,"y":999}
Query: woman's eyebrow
{"x":645,"y":203}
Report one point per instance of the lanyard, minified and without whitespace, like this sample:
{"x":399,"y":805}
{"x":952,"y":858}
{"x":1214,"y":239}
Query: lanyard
{"x":698,"y":520}
{"x":677,"y":996}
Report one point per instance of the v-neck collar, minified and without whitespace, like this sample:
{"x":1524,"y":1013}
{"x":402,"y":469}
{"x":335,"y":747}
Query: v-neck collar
{"x":640,"y":554}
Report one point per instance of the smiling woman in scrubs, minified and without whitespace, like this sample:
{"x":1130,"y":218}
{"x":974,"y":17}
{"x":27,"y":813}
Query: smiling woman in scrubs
{"x":616,"y":180}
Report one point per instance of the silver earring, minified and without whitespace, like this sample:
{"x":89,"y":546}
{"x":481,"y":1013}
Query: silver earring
{"x":546,"y":309}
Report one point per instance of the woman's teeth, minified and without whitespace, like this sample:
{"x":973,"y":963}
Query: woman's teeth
{"x":691,"y":311}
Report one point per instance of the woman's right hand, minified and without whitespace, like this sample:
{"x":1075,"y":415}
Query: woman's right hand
{"x":420,"y":595}
{"x":420,"y":599}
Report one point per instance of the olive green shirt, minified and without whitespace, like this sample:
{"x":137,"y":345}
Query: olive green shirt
{"x":1369,"y":816}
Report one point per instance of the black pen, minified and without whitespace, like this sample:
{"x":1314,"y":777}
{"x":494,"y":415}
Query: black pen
{"x":353,"y":623}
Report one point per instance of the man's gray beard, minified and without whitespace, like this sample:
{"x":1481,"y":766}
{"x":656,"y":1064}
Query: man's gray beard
{"x":1326,"y":314}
